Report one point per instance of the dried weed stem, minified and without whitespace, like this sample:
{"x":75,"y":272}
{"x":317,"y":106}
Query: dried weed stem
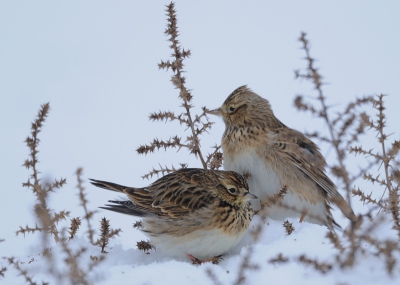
{"x":197,"y":124}
{"x":106,"y":233}
{"x":82,"y":197}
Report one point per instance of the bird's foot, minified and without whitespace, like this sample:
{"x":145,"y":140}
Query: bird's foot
{"x":216,"y":259}
{"x":213,"y":260}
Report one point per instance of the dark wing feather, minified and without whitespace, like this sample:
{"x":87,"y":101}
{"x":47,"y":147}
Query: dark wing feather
{"x":126,"y":207}
{"x":179,"y":193}
{"x":305,"y":155}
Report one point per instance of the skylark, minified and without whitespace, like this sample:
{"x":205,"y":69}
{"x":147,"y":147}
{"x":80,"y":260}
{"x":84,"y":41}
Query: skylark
{"x":194,"y":212}
{"x":273,"y":156}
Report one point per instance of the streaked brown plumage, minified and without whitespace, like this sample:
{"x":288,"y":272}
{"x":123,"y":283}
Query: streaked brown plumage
{"x":190,"y":211}
{"x":273,"y":155}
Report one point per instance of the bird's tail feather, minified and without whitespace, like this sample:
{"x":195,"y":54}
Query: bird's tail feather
{"x":345,"y":208}
{"x":125,"y":207}
{"x":109,"y":185}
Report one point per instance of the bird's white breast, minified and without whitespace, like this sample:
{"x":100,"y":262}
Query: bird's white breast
{"x":202,"y":244}
{"x":264,"y":182}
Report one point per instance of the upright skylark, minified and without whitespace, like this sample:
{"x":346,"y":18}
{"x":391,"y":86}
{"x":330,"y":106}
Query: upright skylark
{"x":272,"y":156}
{"x":194,"y":212}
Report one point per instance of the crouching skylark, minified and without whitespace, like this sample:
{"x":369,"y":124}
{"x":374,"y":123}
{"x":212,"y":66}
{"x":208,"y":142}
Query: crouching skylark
{"x":272,"y":156}
{"x":194,"y":212}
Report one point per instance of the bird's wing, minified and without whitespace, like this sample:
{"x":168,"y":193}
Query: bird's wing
{"x":175,"y":194}
{"x":182,"y":192}
{"x":305,"y":155}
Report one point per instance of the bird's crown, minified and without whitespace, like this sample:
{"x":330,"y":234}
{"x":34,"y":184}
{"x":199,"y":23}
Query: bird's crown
{"x":243,"y":107}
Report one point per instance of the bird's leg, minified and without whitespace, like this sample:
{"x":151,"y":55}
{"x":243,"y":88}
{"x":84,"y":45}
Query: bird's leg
{"x":213,"y":260}
{"x":193,"y":259}
{"x":303,"y":217}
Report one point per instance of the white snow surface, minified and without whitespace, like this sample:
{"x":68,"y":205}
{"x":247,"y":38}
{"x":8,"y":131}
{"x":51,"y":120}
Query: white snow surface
{"x":126,"y":265}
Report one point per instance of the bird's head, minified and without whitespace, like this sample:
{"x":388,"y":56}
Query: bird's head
{"x":243,"y":108}
{"x":233,"y":188}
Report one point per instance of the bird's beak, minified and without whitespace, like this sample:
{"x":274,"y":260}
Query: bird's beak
{"x":216,"y":112}
{"x":250,"y":196}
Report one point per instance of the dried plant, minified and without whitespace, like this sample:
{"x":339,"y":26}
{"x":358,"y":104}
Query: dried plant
{"x":280,"y":258}
{"x":2,"y":271}
{"x":106,"y":233}
{"x":256,"y":231}
{"x":196,"y":124}
{"x":162,"y":170}
{"x":214,"y":159}
{"x":95,"y":261}
{"x":145,"y":246}
{"x":288,"y":227}
{"x":213,"y":276}
{"x":276,"y":199}
{"x":48,"y":218}
{"x":246,"y":265}
{"x":82,"y":197}
{"x":75,"y":224}
{"x":28,"y":230}
{"x":344,"y":131}
{"x":77,"y":275}
{"x":386,"y":159}
{"x":335,"y":241}
{"x":323,"y":267}
{"x":22,"y":272}
{"x":138,"y":225}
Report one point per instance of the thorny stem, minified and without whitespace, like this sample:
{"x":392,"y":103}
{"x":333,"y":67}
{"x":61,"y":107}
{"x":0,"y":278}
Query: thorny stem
{"x":210,"y":157}
{"x":33,"y":143}
{"x":314,"y":75}
{"x":83,"y":203}
{"x":393,"y":196}
{"x":172,"y":31}
{"x":196,"y":140}
{"x":382,"y":139}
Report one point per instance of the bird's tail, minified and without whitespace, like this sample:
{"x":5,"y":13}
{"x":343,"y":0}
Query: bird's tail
{"x":123,"y":207}
{"x":344,"y":207}
{"x":109,"y":185}
{"x":126,"y":207}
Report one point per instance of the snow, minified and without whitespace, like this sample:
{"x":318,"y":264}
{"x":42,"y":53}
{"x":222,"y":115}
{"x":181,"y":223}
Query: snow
{"x":127,"y":266}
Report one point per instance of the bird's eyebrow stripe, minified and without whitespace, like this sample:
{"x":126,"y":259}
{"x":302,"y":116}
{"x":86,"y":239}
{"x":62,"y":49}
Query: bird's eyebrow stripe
{"x":238,"y":108}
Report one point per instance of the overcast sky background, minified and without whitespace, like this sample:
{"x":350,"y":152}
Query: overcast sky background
{"x":96,"y":63}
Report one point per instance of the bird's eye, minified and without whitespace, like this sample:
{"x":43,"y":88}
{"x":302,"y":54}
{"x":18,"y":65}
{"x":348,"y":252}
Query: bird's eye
{"x":231,"y":109}
{"x":232,"y":190}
